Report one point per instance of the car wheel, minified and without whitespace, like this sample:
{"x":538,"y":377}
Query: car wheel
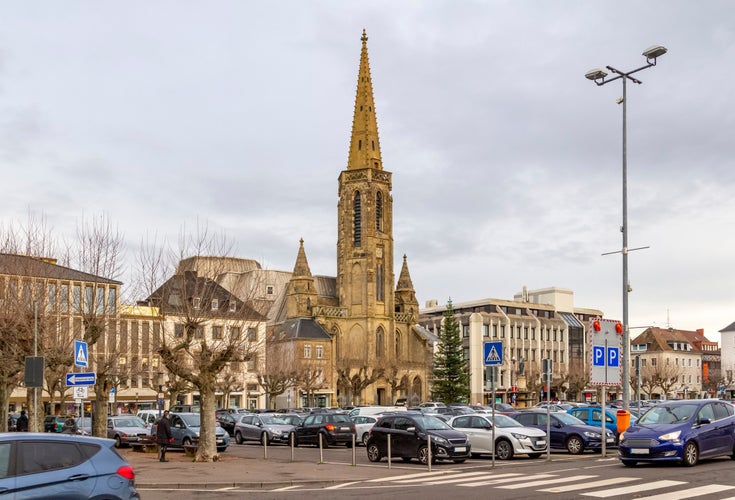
{"x":348,"y":444}
{"x":503,"y":450}
{"x":367,"y":435}
{"x":264,"y":439}
{"x":186,"y":442}
{"x":238,"y":438}
{"x":373,"y":453}
{"x":406,"y":459}
{"x":691,"y":454}
{"x":118,"y":442}
{"x":629,"y":463}
{"x":575,"y":446}
{"x":423,"y":456}
{"x":534,"y":455}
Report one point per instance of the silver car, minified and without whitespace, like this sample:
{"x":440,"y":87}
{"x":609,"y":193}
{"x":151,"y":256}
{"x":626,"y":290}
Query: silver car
{"x":126,"y":430}
{"x":511,"y":438}
{"x":363,"y":424}
{"x":266,"y":428}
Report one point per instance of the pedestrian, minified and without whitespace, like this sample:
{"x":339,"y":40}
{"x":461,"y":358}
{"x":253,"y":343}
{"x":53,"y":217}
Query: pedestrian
{"x":163,"y":435}
{"x":22,"y":424}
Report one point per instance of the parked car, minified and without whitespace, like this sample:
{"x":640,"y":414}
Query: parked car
{"x":592,"y":415}
{"x":567,"y":432}
{"x":681,"y":431}
{"x":334,"y":428}
{"x":499,"y":408}
{"x":266,"y":428}
{"x":78,"y":425}
{"x":409,"y":439}
{"x":63,"y":466}
{"x":226,"y":420}
{"x":185,"y":409}
{"x":185,"y":428}
{"x":432,"y":404}
{"x":291,"y":418}
{"x":12,"y":421}
{"x":150,"y":417}
{"x":511,"y":438}
{"x":363,"y":424}
{"x":126,"y":429}
{"x":53,"y":423}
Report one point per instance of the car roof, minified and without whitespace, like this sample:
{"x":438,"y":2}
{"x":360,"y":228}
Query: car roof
{"x":46,"y":436}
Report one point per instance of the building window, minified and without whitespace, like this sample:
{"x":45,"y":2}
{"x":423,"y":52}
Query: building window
{"x":502,"y":331}
{"x":653,"y":361}
{"x":215,"y":304}
{"x":307,"y":351}
{"x":518,"y":332}
{"x":199,"y":332}
{"x":561,"y":335}
{"x":554,"y":334}
{"x":100,"y":301}
{"x":112,"y":301}
{"x":196,"y":302}
{"x":51,"y":297}
{"x":64,"y":298}
{"x":533,"y":333}
{"x":485,"y":330}
{"x":398,"y":345}
{"x":465,"y":330}
{"x":253,"y":362}
{"x":357,"y":218}
{"x":379,"y":342}
{"x":234,"y":333}
{"x":252,"y":335}
{"x":88,"y":297}
{"x":379,"y":211}
{"x":495,"y":331}
{"x":269,"y":290}
{"x":379,"y":283}
{"x":525,"y":333}
{"x":319,"y":352}
{"x":466,"y":353}
{"x":233,"y":306}
{"x":217,"y":332}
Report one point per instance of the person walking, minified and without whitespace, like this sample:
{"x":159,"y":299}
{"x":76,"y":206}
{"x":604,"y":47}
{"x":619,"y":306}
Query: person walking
{"x":163,"y":435}
{"x":22,"y":424}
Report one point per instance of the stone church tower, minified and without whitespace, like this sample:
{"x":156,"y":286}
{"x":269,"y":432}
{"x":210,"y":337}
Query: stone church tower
{"x":379,"y":354}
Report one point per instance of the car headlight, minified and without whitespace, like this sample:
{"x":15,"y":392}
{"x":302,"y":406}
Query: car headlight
{"x":671,"y":436}
{"x":593,"y":435}
{"x":518,"y":436}
{"x":622,"y":435}
{"x":440,"y":440}
{"x":196,"y":434}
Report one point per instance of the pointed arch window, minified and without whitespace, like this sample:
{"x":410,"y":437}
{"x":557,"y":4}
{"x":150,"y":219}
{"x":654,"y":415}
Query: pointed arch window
{"x":399,"y":351}
{"x":379,"y":283}
{"x":357,"y":220}
{"x":379,"y":211}
{"x":379,"y":342}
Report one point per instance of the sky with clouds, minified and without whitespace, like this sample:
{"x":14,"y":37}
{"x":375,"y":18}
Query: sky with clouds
{"x":506,"y":161}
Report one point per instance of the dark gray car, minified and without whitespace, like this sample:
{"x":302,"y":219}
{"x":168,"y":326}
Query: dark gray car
{"x":263,"y":428}
{"x":126,"y":429}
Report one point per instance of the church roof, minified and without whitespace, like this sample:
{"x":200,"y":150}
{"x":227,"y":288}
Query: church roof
{"x":364,"y":143}
{"x":404,"y":280}
{"x":302,"y":328}
{"x":301,"y":268}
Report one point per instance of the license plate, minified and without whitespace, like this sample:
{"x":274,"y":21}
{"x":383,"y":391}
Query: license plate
{"x":541,"y":443}
{"x":344,"y":428}
{"x":611,"y":440}
{"x":220,"y":441}
{"x":639,"y":451}
{"x":460,"y":449}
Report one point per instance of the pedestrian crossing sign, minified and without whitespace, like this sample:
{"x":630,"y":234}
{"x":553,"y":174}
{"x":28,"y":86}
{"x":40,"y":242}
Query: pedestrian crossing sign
{"x":493,"y":353}
{"x":81,"y":357}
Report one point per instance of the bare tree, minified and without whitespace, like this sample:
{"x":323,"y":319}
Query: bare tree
{"x":353,"y":380}
{"x":228,"y":383}
{"x":309,"y":379}
{"x":204,"y":328}
{"x":280,"y":370}
{"x":395,"y":375}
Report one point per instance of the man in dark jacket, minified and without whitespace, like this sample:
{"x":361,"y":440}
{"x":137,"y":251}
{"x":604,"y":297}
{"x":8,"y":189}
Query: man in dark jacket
{"x":22,"y":424}
{"x":163,"y":435}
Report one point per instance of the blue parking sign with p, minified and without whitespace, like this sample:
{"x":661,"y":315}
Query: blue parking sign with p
{"x":600,"y":358}
{"x":598,"y":355}
{"x":613,"y":356}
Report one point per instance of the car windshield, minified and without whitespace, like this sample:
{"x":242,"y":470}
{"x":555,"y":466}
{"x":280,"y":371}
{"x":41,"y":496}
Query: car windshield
{"x":191,"y":420}
{"x":341,"y":418}
{"x":505,"y":421}
{"x":273,"y":421}
{"x":568,"y":419}
{"x":129,"y":422}
{"x":669,"y":414}
{"x":429,"y":423}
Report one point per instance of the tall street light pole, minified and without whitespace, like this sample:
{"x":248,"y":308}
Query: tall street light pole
{"x":600,"y":78}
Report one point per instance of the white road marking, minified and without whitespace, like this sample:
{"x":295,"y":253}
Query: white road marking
{"x":410,"y":476}
{"x":465,"y":477}
{"x":544,"y":482}
{"x":692,"y":492}
{"x":287,"y":488}
{"x":587,"y":486}
{"x":507,"y":480}
{"x":632,"y":489}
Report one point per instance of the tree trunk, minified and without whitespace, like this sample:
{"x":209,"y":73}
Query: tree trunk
{"x":101,"y":403}
{"x":207,"y":449}
{"x":4,"y":405}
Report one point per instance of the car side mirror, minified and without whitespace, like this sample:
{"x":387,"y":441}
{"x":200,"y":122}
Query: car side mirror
{"x":411,"y":429}
{"x":703,"y":421}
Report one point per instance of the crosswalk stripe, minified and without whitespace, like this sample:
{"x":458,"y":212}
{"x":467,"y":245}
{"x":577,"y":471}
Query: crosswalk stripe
{"x":692,"y":492}
{"x":588,"y":486}
{"x":453,"y":477}
{"x":410,"y":476}
{"x":464,"y":477}
{"x":544,"y":482}
{"x":506,"y":480}
{"x":632,"y":489}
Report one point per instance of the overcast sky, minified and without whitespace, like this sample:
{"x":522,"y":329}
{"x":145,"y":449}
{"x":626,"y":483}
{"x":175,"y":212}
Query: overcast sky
{"x":506,"y":161}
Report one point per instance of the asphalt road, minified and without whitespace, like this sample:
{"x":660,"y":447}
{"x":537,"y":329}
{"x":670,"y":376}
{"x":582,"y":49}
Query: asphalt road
{"x":564,"y":476}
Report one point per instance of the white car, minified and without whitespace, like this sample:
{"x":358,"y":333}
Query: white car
{"x":511,"y":438}
{"x":363,"y":424}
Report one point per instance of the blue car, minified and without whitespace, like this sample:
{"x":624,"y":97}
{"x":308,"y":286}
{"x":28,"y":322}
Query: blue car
{"x":680,"y":431}
{"x":37,"y":465}
{"x":592,"y":415}
{"x":567,"y":432}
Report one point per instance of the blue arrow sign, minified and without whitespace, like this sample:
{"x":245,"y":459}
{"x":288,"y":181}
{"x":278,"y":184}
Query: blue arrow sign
{"x":73,"y":379}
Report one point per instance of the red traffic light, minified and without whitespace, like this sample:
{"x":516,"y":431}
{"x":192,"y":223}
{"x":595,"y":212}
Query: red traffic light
{"x":618,"y":328}
{"x":596,"y":325}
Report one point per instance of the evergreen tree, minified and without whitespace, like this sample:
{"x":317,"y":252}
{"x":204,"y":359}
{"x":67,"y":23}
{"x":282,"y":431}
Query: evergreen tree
{"x":451,"y":377}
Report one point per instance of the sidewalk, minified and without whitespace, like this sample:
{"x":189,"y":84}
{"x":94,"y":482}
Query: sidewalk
{"x":231,"y":471}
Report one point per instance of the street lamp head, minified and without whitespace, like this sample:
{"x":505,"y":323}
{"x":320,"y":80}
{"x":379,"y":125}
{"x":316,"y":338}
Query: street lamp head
{"x":595,"y":74}
{"x":654,"y":51}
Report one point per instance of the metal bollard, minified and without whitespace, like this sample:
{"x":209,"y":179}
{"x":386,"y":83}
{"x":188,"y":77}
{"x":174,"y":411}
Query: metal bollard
{"x":389,"y":451}
{"x":292,"y":438}
{"x":321,"y":450}
{"x":354,"y":451}
{"x":428,"y":441}
{"x":265,"y":446}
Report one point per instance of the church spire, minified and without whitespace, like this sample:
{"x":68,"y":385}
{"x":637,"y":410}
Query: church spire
{"x":364,"y":143}
{"x":301,"y":269}
{"x":404,"y":280}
